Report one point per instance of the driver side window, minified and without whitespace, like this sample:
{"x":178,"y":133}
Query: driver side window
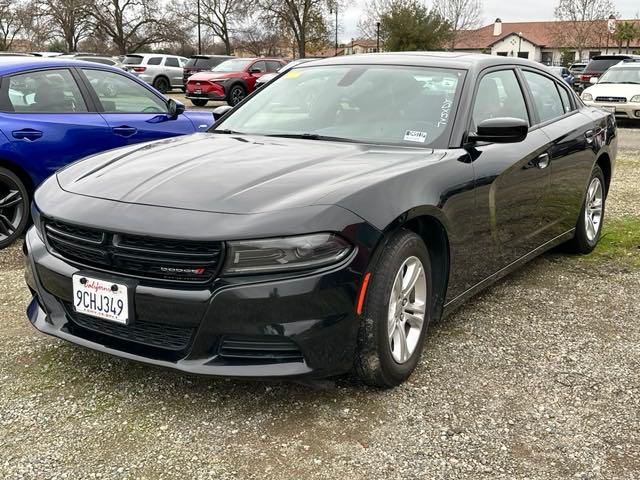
{"x":499,"y":95}
{"x":119,"y":94}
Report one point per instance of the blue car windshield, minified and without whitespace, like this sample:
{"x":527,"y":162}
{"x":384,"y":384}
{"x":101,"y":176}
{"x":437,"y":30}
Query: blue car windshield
{"x":385,"y":104}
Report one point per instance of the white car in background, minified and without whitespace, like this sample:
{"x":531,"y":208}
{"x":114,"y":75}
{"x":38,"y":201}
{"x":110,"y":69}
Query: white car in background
{"x":617,"y":90}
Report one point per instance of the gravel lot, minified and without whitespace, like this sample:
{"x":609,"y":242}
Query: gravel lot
{"x":536,"y":378}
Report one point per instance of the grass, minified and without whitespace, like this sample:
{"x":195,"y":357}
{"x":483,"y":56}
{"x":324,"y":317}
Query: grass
{"x":620,"y":241}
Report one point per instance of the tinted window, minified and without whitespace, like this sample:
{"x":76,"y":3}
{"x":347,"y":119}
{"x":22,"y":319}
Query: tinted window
{"x":545,"y":96}
{"x":49,"y":91}
{"x":154,"y":61}
{"x":344,"y":101}
{"x":601,"y":64}
{"x":566,"y":101}
{"x":499,"y":95}
{"x":133,"y":60}
{"x":171,"y":62}
{"x":118,"y":93}
{"x":262,"y":66}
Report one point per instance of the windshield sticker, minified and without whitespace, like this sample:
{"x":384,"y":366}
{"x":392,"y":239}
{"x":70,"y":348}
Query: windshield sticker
{"x":415,"y":136}
{"x":444,"y":113}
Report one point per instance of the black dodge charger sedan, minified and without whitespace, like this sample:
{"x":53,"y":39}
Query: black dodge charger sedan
{"x":324,"y":222}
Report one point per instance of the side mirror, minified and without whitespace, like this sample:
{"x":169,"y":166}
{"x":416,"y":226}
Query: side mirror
{"x":593,"y":80}
{"x":174,"y":108}
{"x":220,"y":111}
{"x":500,"y":130}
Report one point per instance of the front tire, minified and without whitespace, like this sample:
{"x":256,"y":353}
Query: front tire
{"x":14,"y":207}
{"x":589,"y":225}
{"x":236,"y":95}
{"x":396,"y":314}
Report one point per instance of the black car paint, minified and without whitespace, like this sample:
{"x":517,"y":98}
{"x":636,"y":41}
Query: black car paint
{"x":497,"y":207}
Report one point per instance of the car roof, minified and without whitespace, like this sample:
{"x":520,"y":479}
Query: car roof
{"x":457,"y":60}
{"x":10,"y":65}
{"x":624,"y":64}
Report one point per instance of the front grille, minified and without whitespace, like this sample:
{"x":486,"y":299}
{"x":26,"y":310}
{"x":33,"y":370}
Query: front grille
{"x":260,"y":348}
{"x":145,"y":333}
{"x":134,"y":255}
{"x":611,"y":99}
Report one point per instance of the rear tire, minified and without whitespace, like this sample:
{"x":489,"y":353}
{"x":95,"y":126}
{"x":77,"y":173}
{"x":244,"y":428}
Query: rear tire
{"x":14,"y":207}
{"x":394,"y":320}
{"x":199,"y":103}
{"x":591,"y":219}
{"x":161,"y":84}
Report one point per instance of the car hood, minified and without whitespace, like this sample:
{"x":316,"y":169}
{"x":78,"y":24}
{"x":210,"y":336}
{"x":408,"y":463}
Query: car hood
{"x":238,"y":174}
{"x":614,"y":90}
{"x":209,"y":75}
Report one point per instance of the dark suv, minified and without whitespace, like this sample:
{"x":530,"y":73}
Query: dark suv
{"x":202,"y":63}
{"x":596,"y":67}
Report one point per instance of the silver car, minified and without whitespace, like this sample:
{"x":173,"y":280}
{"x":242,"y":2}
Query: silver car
{"x":164,"y":72}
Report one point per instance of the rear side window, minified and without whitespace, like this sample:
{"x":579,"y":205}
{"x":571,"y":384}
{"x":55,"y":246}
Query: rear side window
{"x":545,"y":96}
{"x":154,"y":61}
{"x":566,"y":100}
{"x":47,"y":91}
{"x":499,"y":95}
{"x":171,"y":62}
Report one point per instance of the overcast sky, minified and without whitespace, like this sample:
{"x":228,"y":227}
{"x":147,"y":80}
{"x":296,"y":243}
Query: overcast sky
{"x":508,"y":11}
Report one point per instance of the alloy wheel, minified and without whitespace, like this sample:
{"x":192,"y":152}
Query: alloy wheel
{"x":593,"y":209}
{"x":11,"y":207}
{"x":237,"y":94}
{"x":407,"y":306}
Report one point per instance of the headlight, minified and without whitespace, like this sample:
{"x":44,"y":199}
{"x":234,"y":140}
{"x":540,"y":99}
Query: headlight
{"x":635,"y":99}
{"x":286,"y":253}
{"x":587,"y":97}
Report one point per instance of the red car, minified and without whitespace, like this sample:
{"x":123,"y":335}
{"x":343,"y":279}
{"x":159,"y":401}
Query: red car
{"x":232,"y":80}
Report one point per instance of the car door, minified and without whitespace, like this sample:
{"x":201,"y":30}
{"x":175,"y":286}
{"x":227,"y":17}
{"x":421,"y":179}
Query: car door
{"x":255,"y":70}
{"x":173,"y":70}
{"x":512,"y":180}
{"x":134,"y":113}
{"x":572,"y":136}
{"x":48,"y":121}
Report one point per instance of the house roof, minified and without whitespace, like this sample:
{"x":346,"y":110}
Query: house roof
{"x":542,"y":34}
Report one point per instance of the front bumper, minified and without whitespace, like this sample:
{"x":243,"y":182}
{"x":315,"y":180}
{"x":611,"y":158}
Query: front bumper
{"x":313,"y":313}
{"x":622,"y":110}
{"x":204,"y":96}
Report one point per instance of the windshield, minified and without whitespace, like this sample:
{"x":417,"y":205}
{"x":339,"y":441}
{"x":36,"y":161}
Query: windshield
{"x":621,"y":75}
{"x":132,"y":60}
{"x":234,"y":65}
{"x":361,"y":103}
{"x":203,"y":62}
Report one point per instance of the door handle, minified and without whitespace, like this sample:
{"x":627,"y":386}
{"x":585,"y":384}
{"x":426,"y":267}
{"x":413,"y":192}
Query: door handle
{"x":542,"y":161}
{"x":124,"y":131}
{"x":27,"y":134}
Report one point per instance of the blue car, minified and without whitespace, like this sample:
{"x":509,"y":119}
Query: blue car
{"x":53,"y":112}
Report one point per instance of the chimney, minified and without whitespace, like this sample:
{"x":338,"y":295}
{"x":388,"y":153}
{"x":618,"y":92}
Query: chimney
{"x":497,"y":28}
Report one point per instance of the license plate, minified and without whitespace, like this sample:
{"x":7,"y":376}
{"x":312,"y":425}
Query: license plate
{"x":609,"y":109}
{"x":198,"y":92}
{"x":101,"y":299}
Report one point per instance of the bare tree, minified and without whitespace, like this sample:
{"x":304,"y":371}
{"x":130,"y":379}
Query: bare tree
{"x":70,"y":20}
{"x":12,"y":22}
{"x":132,"y":24}
{"x":373,"y":12}
{"x":304,"y":19}
{"x":461,"y":15}
{"x":586,"y":17}
{"x":258,"y":40}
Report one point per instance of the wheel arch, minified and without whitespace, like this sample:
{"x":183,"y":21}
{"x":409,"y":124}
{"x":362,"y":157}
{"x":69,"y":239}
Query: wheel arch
{"x":430,"y":225}
{"x":604,"y":162}
{"x":21,"y":173}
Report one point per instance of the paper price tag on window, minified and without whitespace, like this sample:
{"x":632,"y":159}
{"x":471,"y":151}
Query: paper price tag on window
{"x":415,"y":136}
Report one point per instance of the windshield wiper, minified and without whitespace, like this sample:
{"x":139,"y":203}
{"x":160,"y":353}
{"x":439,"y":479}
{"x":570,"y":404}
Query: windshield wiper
{"x":312,"y":136}
{"x":225,"y":131}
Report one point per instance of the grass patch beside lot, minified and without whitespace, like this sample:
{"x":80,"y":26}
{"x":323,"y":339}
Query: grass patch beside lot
{"x":620,"y":242}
